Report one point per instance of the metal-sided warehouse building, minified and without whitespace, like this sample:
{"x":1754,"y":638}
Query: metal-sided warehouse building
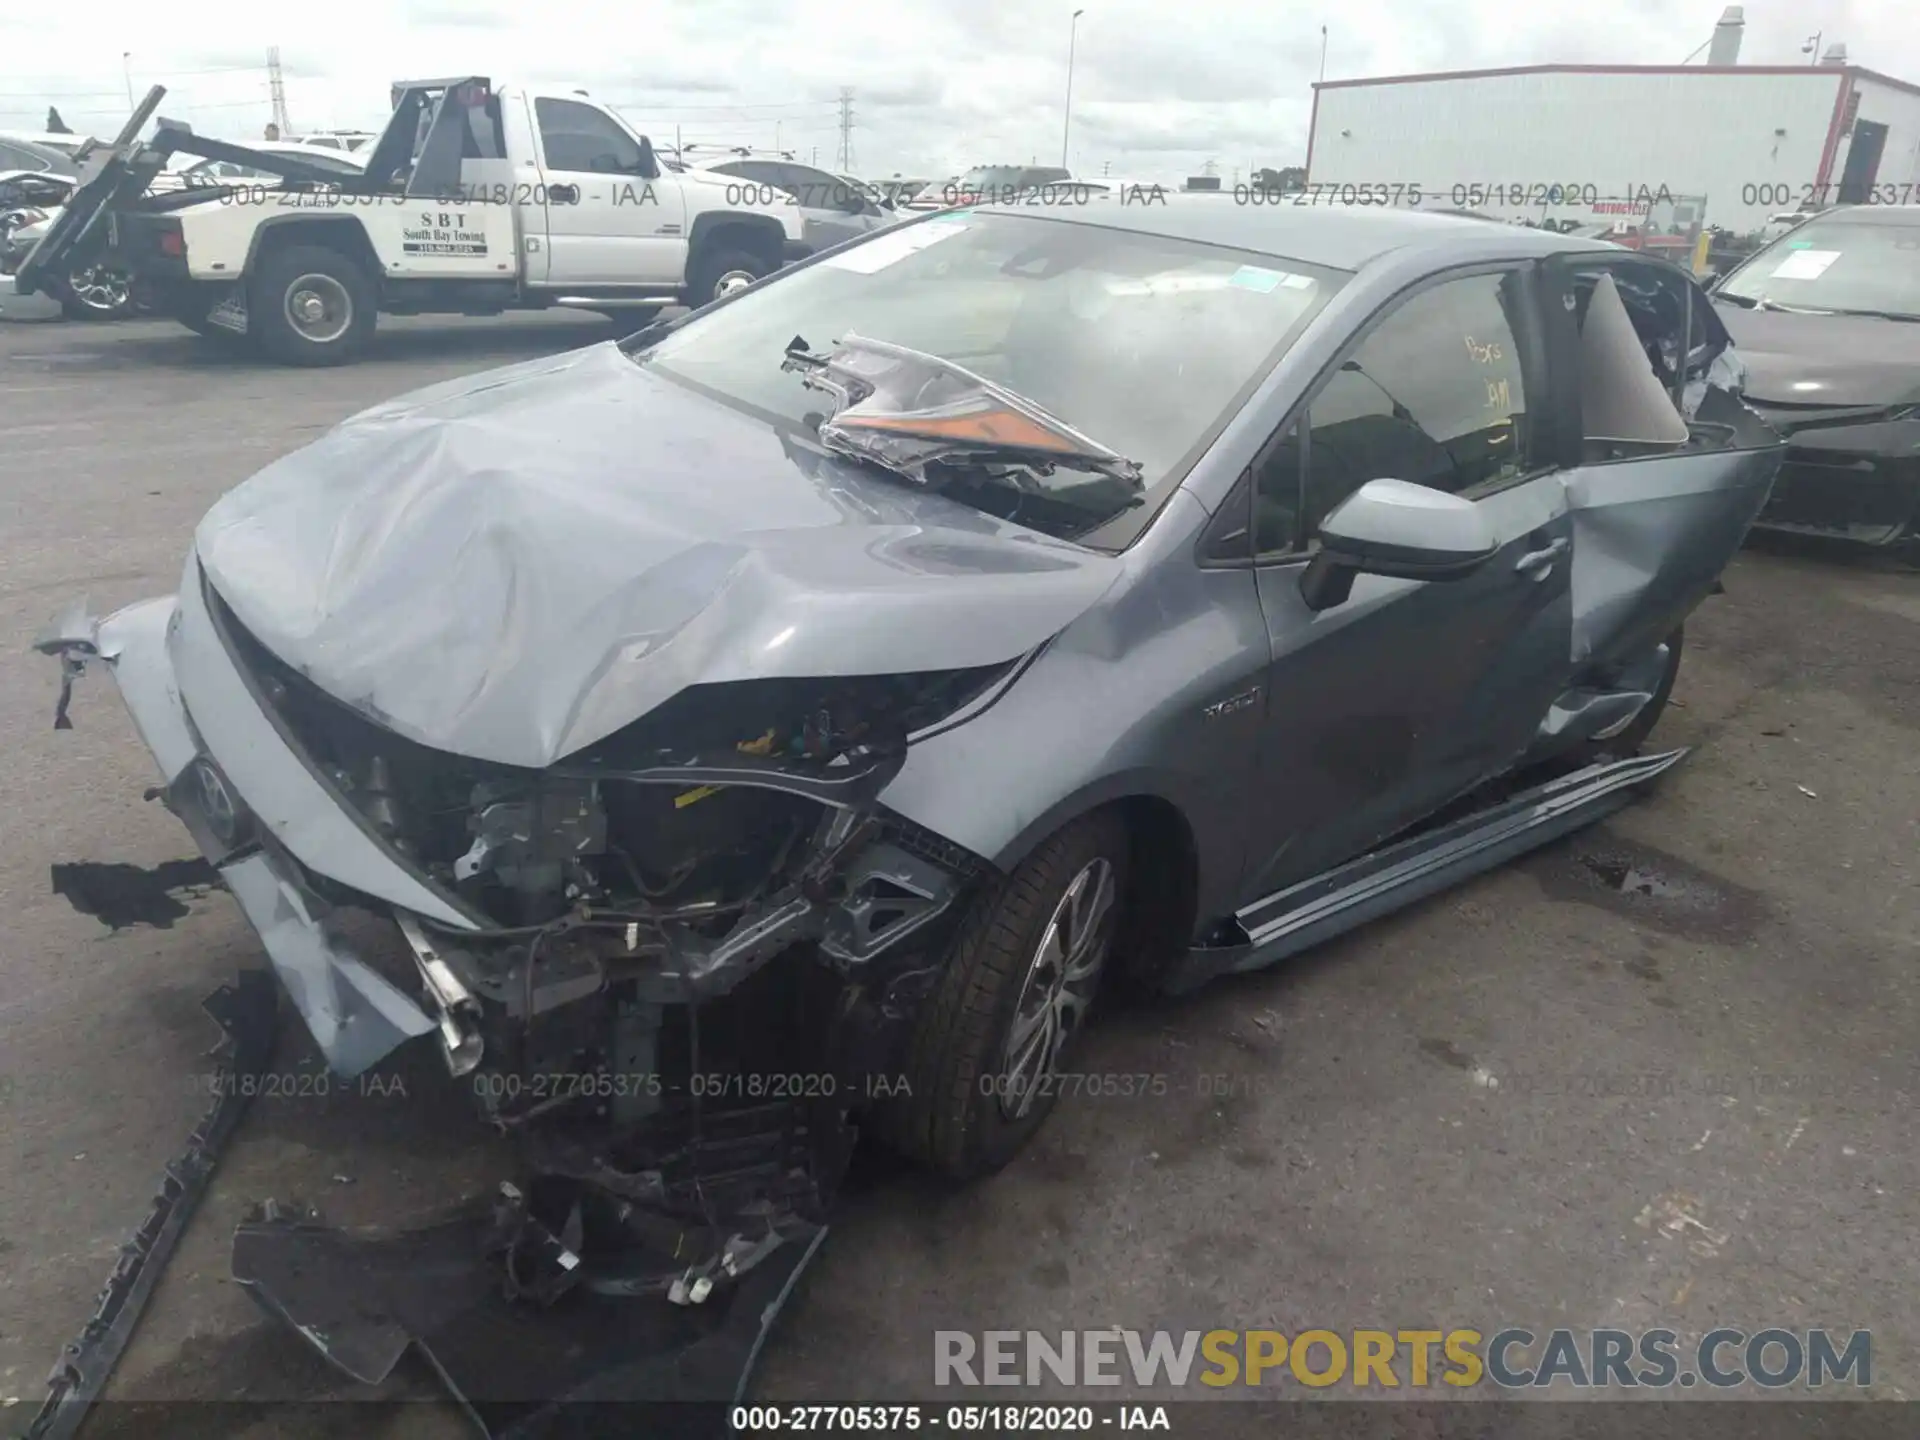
{"x":1752,"y":140}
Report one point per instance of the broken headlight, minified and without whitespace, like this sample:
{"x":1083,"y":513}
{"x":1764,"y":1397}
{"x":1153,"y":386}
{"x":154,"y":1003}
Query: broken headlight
{"x":693,"y":812}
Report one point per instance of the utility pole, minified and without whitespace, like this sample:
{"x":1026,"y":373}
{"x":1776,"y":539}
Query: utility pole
{"x":1066,"y":121}
{"x":277,"y":85}
{"x":846,"y":130}
{"x":1323,"y":53}
{"x":126,"y":67}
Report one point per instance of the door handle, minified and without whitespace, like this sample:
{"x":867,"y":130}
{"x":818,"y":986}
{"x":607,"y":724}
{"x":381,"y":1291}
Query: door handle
{"x":1538,"y":564}
{"x":563,"y":194}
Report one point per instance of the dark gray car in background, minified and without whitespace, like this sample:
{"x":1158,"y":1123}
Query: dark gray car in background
{"x":795,"y":715}
{"x":1828,"y":317}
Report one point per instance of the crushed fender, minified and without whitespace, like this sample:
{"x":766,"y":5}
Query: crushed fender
{"x":245,"y":1011}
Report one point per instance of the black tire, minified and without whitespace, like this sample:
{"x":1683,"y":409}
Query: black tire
{"x":711,"y":267}
{"x":629,"y":318}
{"x":278,"y":284}
{"x":1628,"y":742}
{"x":954,"y":1115}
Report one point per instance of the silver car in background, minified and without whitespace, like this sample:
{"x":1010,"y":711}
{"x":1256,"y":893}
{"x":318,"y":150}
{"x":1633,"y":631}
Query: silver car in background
{"x":833,"y":207}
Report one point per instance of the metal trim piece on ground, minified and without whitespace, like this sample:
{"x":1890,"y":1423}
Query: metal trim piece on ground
{"x":245,"y":1011}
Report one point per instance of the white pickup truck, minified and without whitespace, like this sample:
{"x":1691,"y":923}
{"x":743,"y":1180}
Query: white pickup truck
{"x":474,"y":200}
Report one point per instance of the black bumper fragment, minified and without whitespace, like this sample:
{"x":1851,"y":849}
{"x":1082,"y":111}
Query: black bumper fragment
{"x":546,"y":1353}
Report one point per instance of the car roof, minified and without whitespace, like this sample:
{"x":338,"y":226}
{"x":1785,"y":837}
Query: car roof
{"x":53,"y":159}
{"x":1339,"y":237}
{"x":323,"y":153}
{"x":1870,"y":214}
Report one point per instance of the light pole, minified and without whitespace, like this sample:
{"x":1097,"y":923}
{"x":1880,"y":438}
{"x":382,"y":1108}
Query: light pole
{"x":1066,"y":124}
{"x":126,"y":69}
{"x":1812,"y":48}
{"x":1323,"y":54}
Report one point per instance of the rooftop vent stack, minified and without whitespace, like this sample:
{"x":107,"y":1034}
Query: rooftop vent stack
{"x":1725,"y":49}
{"x":1836,"y":54}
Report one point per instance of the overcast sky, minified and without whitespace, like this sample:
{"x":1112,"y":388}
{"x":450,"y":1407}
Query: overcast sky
{"x":1159,"y":88}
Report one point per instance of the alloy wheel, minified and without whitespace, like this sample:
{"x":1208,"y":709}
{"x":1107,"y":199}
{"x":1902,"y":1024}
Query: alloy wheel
{"x":99,"y":288}
{"x":1058,"y":990}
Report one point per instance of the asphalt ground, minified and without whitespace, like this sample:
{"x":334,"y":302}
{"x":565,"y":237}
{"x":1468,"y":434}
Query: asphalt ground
{"x":1662,"y":1074}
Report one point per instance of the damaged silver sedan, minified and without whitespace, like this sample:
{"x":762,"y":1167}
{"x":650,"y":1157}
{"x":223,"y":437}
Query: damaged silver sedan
{"x":792,"y":719}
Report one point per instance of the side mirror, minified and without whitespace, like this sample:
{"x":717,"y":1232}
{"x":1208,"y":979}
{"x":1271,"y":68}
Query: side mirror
{"x":648,"y":168}
{"x":1392,"y":528}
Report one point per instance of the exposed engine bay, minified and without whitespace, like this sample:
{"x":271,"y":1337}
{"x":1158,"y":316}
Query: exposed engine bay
{"x":685,"y":1105}
{"x":663,"y":867}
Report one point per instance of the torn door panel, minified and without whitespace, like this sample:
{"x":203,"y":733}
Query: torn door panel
{"x":1674,"y":467}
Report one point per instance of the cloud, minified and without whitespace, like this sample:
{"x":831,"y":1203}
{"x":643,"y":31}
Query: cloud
{"x":1159,"y":88}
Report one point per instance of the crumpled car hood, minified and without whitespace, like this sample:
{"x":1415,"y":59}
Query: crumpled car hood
{"x":1836,"y":360}
{"x":515,"y":565}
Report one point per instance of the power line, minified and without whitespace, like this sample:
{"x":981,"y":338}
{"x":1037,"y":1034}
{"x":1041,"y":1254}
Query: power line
{"x":750,"y":105}
{"x":150,"y":77}
{"x":122,"y":114}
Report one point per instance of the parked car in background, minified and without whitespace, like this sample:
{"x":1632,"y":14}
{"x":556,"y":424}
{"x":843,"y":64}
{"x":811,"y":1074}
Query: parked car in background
{"x":19,"y":151}
{"x":336,"y":139}
{"x":30,"y":202}
{"x":209,"y":174}
{"x":832,"y":207}
{"x":987,"y":184}
{"x":899,"y":189}
{"x":1778,"y":225}
{"x":1828,"y":318}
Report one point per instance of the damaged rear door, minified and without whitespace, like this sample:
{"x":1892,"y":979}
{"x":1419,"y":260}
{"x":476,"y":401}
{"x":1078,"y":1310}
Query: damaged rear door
{"x":1666,"y":465}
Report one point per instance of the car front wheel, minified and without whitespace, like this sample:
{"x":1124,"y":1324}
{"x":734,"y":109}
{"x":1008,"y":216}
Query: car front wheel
{"x":985,"y":1062}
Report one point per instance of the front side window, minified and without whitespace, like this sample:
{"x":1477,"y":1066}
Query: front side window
{"x":1143,"y":344}
{"x":1435,"y":396}
{"x":581,"y":138}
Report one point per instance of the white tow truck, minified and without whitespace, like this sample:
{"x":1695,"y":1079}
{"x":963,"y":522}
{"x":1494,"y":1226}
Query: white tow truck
{"x":474,"y":200}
